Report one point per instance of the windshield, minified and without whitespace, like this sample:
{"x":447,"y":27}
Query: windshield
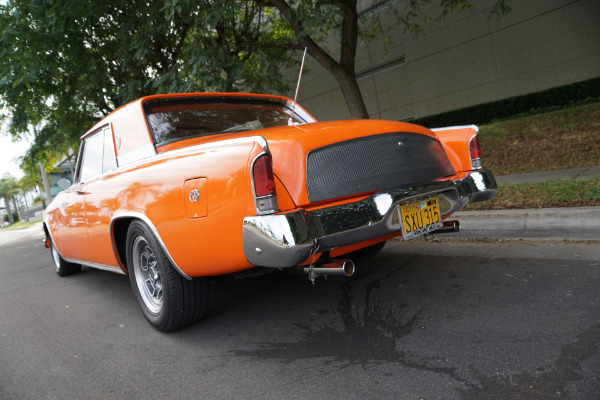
{"x":178,"y":119}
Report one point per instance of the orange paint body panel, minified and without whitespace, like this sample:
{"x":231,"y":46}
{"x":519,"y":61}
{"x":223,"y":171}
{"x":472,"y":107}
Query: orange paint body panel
{"x":195,"y":191}
{"x":454,"y":139}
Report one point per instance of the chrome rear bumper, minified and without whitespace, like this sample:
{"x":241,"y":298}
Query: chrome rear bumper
{"x":289,"y":239}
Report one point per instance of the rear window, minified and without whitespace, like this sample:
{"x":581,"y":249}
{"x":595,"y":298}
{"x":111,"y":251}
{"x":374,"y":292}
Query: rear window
{"x":177,"y":119}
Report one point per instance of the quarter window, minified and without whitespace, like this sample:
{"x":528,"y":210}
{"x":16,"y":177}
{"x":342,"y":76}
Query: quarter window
{"x":98,"y":155}
{"x":109,"y":160}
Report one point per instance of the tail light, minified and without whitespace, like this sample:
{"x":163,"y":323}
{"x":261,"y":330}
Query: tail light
{"x":264,"y":185}
{"x":475,"y":150}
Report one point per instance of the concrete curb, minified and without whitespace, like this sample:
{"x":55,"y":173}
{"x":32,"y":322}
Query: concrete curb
{"x":580,"y":223}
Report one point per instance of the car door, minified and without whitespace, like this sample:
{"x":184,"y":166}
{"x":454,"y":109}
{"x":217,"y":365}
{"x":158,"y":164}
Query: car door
{"x":70,"y":231}
{"x":75,"y":208}
{"x":101,"y":202}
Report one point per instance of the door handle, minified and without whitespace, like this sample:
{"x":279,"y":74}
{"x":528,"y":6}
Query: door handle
{"x":81,"y":192}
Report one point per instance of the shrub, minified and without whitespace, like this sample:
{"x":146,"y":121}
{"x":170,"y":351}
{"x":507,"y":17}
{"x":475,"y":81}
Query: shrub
{"x":533,"y":103}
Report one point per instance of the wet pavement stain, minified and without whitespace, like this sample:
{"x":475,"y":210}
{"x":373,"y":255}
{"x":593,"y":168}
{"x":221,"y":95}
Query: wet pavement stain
{"x":370,"y":334}
{"x":547,"y":385}
{"x":364,"y":321}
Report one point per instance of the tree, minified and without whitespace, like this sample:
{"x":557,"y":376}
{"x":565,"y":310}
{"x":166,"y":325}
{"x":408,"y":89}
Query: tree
{"x":27,"y":184}
{"x":66,"y":64}
{"x":312,"y":21}
{"x":8,"y":189}
{"x":237,"y":45}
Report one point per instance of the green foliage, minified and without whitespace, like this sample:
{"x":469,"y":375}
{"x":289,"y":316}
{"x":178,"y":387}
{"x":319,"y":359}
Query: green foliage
{"x":15,"y":217}
{"x":312,"y":21}
{"x":555,"y":193}
{"x":560,"y":139}
{"x":533,"y":103}
{"x":9,"y":188}
{"x":66,"y":64}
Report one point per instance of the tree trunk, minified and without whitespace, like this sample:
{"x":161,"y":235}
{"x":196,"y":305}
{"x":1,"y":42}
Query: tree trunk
{"x":352,"y":95}
{"x":8,"y":210}
{"x":14,"y":199}
{"x":71,"y":158}
{"x":343,"y":71}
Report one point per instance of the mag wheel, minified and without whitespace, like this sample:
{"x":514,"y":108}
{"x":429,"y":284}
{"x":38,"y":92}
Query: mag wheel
{"x":168,"y":300}
{"x":62,"y":267}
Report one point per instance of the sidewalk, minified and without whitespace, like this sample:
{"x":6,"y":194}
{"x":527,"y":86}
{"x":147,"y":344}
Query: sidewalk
{"x":573,"y":173}
{"x":576,"y":223}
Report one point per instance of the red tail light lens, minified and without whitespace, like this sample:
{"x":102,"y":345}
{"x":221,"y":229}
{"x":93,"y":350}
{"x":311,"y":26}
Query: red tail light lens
{"x":475,"y":148}
{"x":262,"y":172}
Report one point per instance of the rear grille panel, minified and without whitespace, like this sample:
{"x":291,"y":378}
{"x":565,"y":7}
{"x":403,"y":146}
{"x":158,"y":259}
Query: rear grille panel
{"x":372,"y":163}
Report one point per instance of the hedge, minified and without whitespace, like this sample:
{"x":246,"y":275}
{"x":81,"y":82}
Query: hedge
{"x":558,"y":97}
{"x":15,"y":217}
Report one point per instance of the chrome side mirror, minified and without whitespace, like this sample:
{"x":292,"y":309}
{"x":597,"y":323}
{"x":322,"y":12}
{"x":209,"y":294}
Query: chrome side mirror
{"x":64,"y":183}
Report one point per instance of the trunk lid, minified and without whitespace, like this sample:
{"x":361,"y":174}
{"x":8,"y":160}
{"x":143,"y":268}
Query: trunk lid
{"x":325,"y":161}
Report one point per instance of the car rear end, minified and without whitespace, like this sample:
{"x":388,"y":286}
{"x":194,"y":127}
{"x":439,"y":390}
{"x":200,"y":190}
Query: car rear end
{"x":322,"y":189}
{"x":355,"y":183}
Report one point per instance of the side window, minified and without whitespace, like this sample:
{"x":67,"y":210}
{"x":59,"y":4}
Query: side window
{"x":109,"y":160}
{"x":98,"y":155}
{"x":91,"y":162}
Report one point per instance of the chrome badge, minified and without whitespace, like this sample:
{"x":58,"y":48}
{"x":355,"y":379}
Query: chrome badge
{"x":194,"y":195}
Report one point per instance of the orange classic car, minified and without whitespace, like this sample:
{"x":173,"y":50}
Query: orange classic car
{"x":172,"y":189}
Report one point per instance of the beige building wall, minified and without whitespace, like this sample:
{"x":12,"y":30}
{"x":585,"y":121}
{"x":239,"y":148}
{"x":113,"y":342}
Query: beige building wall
{"x":466,"y":59}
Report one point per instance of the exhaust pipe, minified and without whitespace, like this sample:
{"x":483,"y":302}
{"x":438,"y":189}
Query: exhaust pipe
{"x":449,"y":227}
{"x":332,"y":268}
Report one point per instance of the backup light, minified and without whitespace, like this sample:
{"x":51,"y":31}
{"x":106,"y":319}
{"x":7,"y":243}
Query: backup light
{"x":475,"y":151}
{"x":263,"y":180}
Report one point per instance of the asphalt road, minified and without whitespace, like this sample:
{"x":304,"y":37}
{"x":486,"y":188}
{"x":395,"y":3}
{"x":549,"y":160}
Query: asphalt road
{"x":442,"y":320}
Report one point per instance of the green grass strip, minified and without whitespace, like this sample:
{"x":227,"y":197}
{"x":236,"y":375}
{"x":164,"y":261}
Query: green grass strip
{"x":556,"y":193}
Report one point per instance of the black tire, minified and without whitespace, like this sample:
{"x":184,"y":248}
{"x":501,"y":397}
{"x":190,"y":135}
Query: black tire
{"x":62,"y":267}
{"x":167,"y":299}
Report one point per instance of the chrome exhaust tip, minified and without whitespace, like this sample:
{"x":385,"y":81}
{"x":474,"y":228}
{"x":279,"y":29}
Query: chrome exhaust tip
{"x":449,"y":227}
{"x":331,"y":268}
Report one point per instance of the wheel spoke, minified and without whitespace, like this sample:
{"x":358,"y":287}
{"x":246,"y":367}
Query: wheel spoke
{"x":147,"y":273}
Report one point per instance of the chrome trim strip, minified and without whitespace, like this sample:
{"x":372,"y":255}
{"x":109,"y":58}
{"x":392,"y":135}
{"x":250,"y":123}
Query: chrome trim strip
{"x":447,"y":128}
{"x":138,"y":154}
{"x":256,"y":198}
{"x":262,"y":142}
{"x":146,"y":220}
{"x":284,"y":240}
{"x":118,"y":270}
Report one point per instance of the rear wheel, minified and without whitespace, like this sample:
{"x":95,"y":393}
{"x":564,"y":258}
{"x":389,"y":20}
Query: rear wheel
{"x":168,"y":300}
{"x":62,"y":267}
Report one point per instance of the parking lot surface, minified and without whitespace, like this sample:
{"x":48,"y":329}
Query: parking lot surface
{"x":422,"y":320}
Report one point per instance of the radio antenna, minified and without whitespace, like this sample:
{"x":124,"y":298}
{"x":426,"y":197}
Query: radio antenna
{"x":290,"y":121}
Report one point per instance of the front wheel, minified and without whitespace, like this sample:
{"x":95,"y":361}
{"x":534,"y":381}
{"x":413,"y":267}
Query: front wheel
{"x":168,"y":300}
{"x":62,"y":267}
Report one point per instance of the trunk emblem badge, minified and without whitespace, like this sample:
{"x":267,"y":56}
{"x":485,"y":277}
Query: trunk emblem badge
{"x":194,"y":195}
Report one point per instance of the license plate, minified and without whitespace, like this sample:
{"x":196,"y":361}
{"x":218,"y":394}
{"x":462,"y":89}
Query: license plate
{"x":418,"y":218}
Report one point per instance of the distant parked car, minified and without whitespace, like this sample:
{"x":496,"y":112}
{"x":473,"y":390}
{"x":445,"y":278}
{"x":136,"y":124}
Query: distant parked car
{"x":172,"y":189}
